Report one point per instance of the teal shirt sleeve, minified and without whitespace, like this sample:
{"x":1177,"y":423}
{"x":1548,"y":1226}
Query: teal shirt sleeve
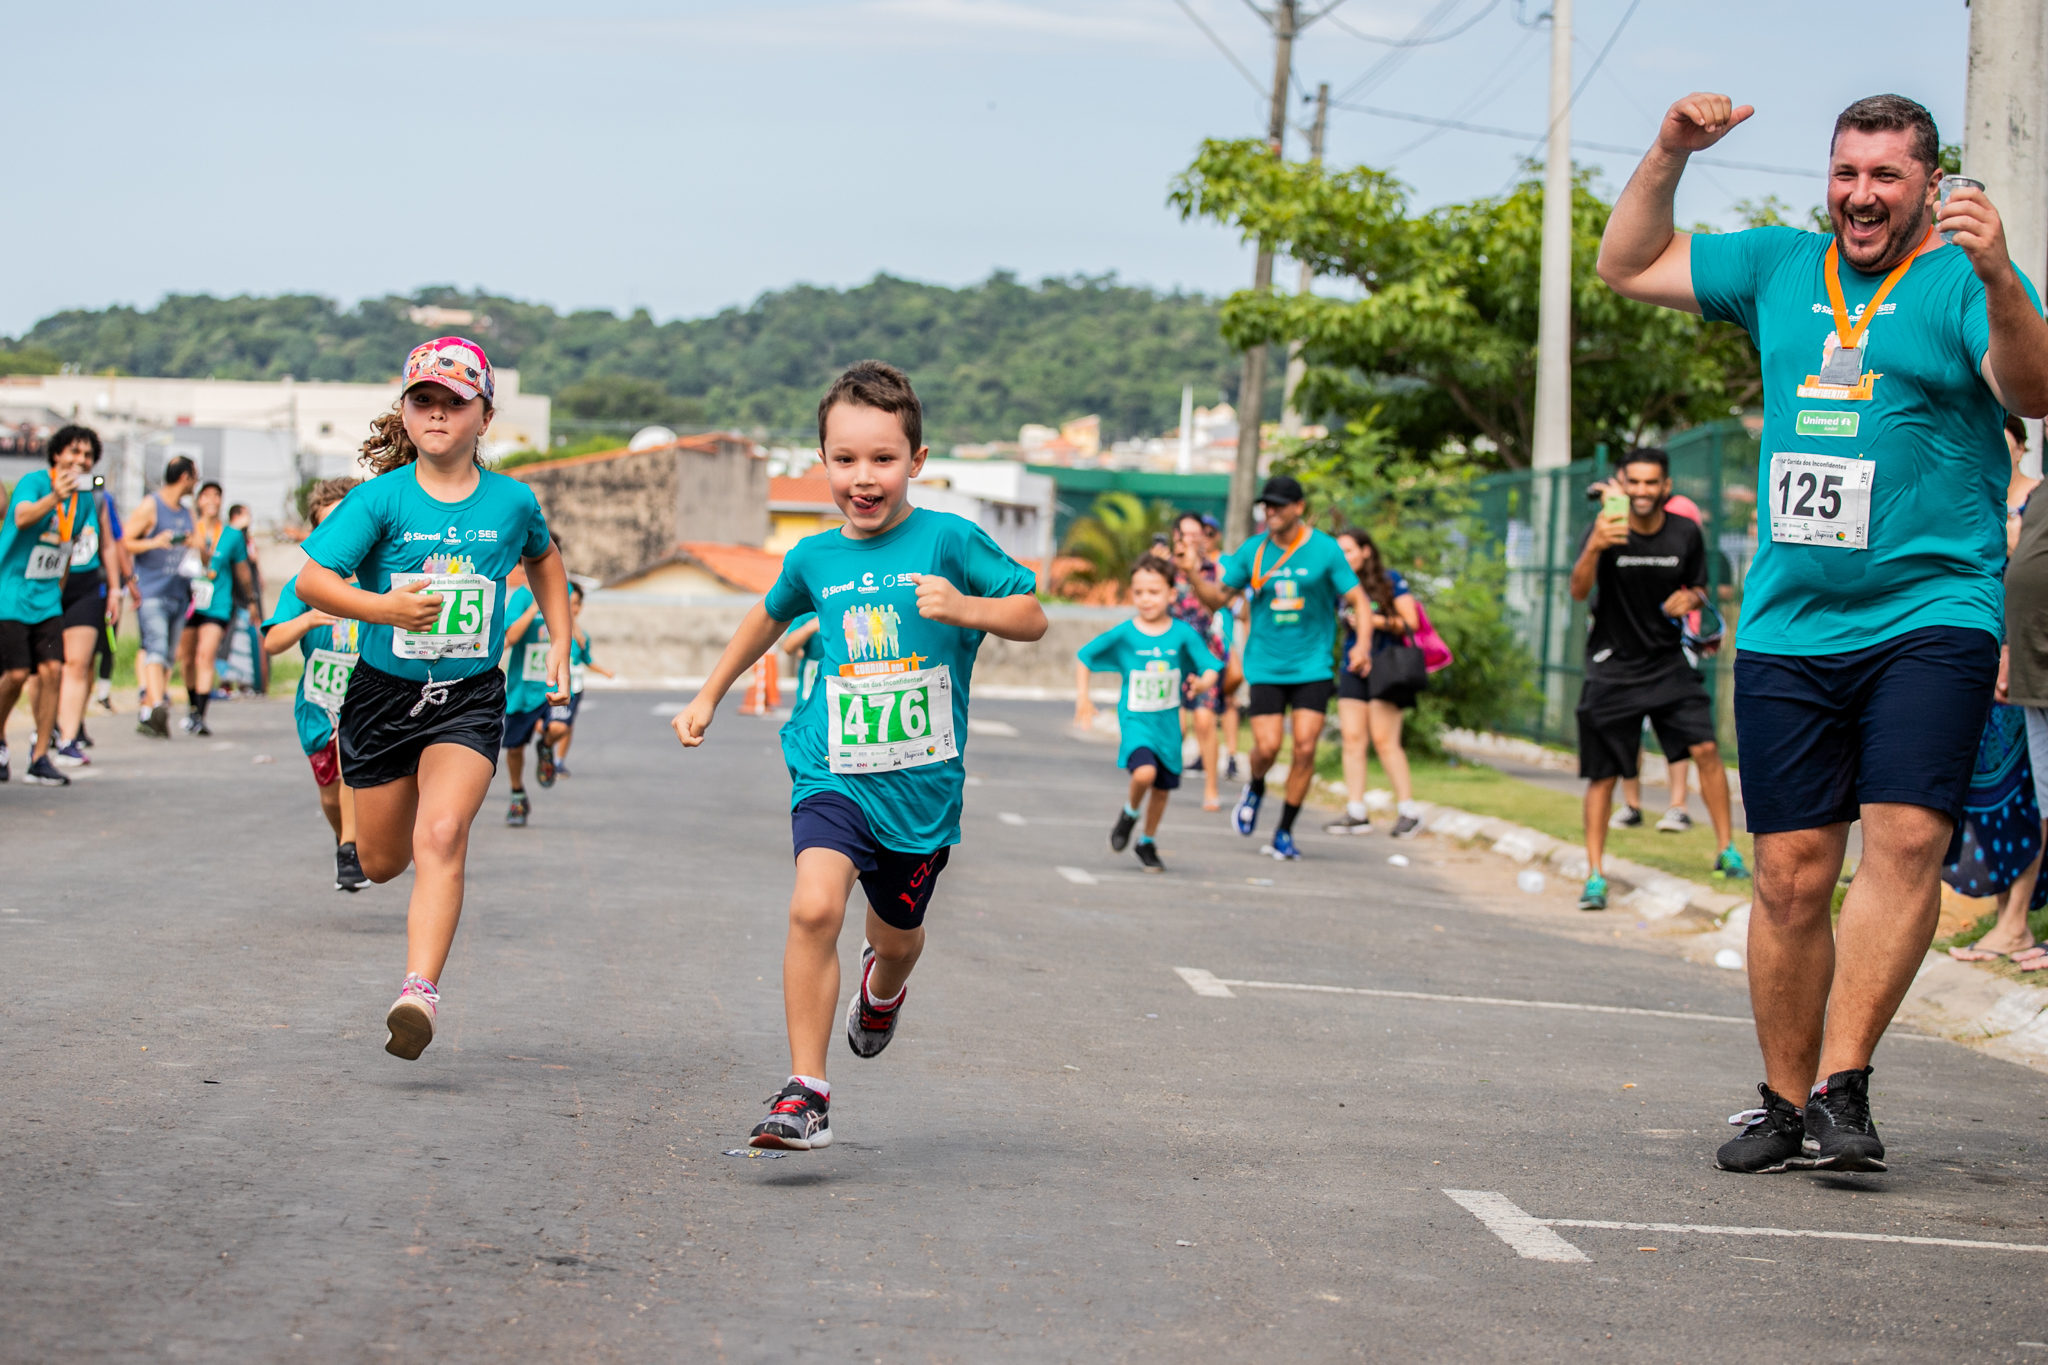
{"x":1100,"y":654}
{"x":231,"y":549}
{"x":1728,"y":269}
{"x":1196,"y":656}
{"x":289,"y":605}
{"x":988,"y":571}
{"x":1237,"y":565}
{"x":1977,"y":318}
{"x":789,"y":598}
{"x":1341,"y":573}
{"x":537,"y":538}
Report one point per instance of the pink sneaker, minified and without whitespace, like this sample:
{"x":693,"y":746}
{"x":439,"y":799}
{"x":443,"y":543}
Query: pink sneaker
{"x":411,"y":1019}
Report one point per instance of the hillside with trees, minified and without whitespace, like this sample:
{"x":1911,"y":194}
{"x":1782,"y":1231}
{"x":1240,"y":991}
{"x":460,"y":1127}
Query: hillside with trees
{"x":986,"y":359}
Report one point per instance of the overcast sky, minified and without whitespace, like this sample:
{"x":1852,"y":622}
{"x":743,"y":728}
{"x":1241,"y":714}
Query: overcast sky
{"x":685,"y":157}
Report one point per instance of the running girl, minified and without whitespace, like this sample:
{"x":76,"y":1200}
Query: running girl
{"x":562,"y":719}
{"x":328,"y":646}
{"x":197,"y":567}
{"x":1150,"y":655}
{"x":213,"y":607}
{"x":431,"y":540}
{"x":874,"y":752}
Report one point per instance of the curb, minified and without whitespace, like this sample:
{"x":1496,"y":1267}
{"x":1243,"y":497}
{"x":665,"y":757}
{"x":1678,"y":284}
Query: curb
{"x":1956,"y":1000}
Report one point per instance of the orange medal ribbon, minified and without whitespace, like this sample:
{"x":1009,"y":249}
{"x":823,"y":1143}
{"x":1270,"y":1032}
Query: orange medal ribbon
{"x":67,"y":517}
{"x":1852,"y":337}
{"x":1259,"y":556}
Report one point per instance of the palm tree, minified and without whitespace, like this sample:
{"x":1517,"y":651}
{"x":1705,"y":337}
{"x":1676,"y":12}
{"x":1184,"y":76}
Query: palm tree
{"x":1118,"y":531}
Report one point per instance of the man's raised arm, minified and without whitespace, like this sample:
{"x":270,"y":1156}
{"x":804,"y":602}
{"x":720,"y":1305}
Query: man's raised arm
{"x":1642,"y":255}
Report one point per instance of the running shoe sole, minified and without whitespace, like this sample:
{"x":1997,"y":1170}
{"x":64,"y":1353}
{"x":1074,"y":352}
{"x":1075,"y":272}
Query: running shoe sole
{"x":412,"y":1028}
{"x":774,"y":1143}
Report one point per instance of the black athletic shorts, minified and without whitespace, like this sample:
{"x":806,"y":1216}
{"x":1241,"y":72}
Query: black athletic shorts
{"x":1898,"y":722}
{"x":27,"y":645}
{"x":520,"y":725}
{"x":1611,"y":717}
{"x":1270,"y":699}
{"x":386,"y":722}
{"x":85,"y":600}
{"x":1351,"y":687}
{"x":1164,"y":779}
{"x":898,"y":885}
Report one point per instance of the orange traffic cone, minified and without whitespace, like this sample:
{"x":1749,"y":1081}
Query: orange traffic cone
{"x":764,"y":693}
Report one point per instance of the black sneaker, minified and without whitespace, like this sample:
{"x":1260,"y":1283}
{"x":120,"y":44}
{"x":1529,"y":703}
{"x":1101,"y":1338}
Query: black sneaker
{"x":1771,"y":1137}
{"x":348,"y":869}
{"x":43,"y":773}
{"x":3,"y":762}
{"x":799,"y":1122}
{"x":1347,"y":823}
{"x":1407,"y":827}
{"x":1120,"y":837}
{"x":544,"y":765}
{"x":1839,"y":1133}
{"x":1148,"y":854}
{"x":868,"y":1027}
{"x":516,"y":816}
{"x":1628,"y":817}
{"x":155,"y":721}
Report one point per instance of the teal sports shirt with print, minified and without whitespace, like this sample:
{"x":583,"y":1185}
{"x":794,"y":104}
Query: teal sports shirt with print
{"x":1149,"y":670}
{"x":1292,"y":613}
{"x":887,"y":723}
{"x":1921,"y":425}
{"x":31,"y":557}
{"x":231,"y":549}
{"x":526,"y":661}
{"x":315,"y":723}
{"x":389,"y":528}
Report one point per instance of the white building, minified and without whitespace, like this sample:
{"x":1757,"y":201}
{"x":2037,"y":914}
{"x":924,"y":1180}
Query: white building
{"x":262,"y":437}
{"x":1013,"y":505}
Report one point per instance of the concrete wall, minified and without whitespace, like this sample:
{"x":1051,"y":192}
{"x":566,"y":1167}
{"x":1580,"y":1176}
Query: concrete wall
{"x":615,"y":515}
{"x":722,"y":495}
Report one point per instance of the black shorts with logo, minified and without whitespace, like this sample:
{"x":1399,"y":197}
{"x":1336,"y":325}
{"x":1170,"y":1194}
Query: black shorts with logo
{"x":1611,"y":716}
{"x":85,"y":600}
{"x":387,"y":722}
{"x":27,"y":645}
{"x":898,"y":885}
{"x":1271,"y":699}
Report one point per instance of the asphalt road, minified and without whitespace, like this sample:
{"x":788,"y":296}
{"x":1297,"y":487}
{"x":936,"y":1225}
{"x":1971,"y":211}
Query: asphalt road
{"x":1068,"y":1154}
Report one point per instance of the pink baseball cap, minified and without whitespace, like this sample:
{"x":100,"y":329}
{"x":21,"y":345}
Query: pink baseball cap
{"x":1685,"y":507}
{"x":455,"y":363}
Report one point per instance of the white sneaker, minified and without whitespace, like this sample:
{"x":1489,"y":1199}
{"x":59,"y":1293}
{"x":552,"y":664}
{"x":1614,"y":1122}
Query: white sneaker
{"x":411,"y":1019}
{"x":1675,"y":821}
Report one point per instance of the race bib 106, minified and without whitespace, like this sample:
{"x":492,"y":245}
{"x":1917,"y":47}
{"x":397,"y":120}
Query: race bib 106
{"x":326,"y":678}
{"x":889,"y":721}
{"x":1152,"y":689}
{"x":44,"y":561}
{"x":464,"y":628}
{"x":1821,"y":500}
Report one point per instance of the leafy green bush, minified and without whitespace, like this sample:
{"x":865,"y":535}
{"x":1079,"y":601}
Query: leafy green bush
{"x":1117,"y":532}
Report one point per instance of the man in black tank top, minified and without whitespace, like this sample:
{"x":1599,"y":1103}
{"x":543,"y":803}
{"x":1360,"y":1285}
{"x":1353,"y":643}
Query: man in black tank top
{"x":157,"y":536}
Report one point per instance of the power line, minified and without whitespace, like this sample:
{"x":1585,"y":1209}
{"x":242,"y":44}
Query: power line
{"x":1587,"y":79}
{"x":1210,"y":33}
{"x":1385,"y":65}
{"x":1485,"y":93}
{"x":1415,"y":42}
{"x":1462,"y":127}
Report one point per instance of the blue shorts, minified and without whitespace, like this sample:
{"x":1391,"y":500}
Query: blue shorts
{"x":520,"y":726}
{"x":162,"y":621}
{"x":1164,"y":779}
{"x":1898,"y":722}
{"x":565,"y":714}
{"x":898,"y":885}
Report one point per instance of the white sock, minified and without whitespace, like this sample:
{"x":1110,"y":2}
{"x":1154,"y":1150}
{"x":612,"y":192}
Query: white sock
{"x":823,"y":1087}
{"x":1413,"y":808}
{"x":1355,"y":809}
{"x":880,"y":1003}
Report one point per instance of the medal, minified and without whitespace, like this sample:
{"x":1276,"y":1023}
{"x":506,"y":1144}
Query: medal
{"x":1844,"y":365}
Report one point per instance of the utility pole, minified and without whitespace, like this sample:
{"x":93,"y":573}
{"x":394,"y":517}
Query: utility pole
{"x":1237,"y":525}
{"x":2005,"y":136}
{"x":1290,"y":419}
{"x":1553,"y":443}
{"x":1184,"y":461}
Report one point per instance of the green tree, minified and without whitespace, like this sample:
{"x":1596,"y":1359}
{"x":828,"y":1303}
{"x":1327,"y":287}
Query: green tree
{"x":1117,"y":532}
{"x":1442,"y":337}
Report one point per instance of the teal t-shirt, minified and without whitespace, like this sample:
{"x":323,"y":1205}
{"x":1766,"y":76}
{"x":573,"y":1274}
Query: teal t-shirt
{"x":526,"y":656}
{"x":579,"y":659}
{"x":219,"y":591}
{"x":811,"y":659}
{"x":890,"y":710}
{"x":32,"y":557}
{"x":324,"y":676}
{"x":389,"y":528}
{"x":1293,"y":610}
{"x":1149,"y":669}
{"x":1923,"y":428}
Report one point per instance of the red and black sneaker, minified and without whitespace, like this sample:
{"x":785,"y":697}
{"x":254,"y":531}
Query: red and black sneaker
{"x":799,"y":1122}
{"x":869,"y":1026}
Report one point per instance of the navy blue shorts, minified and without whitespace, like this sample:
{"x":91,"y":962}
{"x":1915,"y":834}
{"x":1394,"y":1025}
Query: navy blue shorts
{"x":1164,"y":779}
{"x":519,"y":727}
{"x":898,"y":885}
{"x":565,"y":713}
{"x":1898,"y":722}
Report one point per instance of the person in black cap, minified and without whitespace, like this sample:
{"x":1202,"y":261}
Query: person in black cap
{"x":1294,"y":577}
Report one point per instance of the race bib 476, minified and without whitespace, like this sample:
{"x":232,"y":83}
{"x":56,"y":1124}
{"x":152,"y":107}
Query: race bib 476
{"x":889,"y":721}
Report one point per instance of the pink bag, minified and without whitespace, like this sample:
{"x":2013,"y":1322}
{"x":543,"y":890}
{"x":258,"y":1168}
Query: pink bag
{"x":1436,"y":655}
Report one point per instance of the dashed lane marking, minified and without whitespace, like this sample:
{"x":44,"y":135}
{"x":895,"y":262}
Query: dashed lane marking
{"x":1078,"y":876}
{"x":1532,"y":1238}
{"x":1208,"y":983}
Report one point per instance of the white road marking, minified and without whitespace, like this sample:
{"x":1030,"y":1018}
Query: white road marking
{"x":1506,"y":1220}
{"x":1010,"y":817}
{"x":1532,"y":1238}
{"x":668,"y":708}
{"x":999,"y":729}
{"x":1456,"y":999}
{"x":1205,"y":983}
{"x":1078,"y":876}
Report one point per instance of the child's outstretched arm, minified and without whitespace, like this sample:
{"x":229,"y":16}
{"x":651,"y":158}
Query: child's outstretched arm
{"x":1017,"y":617}
{"x":285,"y":634}
{"x":757,"y":633}
{"x":1084,"y":705}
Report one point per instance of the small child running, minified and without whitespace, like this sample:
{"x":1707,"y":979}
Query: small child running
{"x":1150,"y":654}
{"x":432,"y":539}
{"x":328,"y":646}
{"x":527,"y":646}
{"x":562,"y":717}
{"x":874,"y":752}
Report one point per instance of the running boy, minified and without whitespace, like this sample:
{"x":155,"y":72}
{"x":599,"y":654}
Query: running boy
{"x":431,"y":539}
{"x":1150,"y":655}
{"x":562,"y":718}
{"x":329,"y":646}
{"x":873,"y":753}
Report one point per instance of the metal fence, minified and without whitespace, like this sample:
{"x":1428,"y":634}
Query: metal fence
{"x":1538,"y":519}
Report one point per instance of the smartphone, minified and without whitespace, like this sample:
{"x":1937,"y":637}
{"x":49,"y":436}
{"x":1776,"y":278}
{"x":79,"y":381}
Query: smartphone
{"x":1614,"y":504}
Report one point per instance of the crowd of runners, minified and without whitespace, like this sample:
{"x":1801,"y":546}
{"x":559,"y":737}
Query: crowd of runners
{"x":438,"y":630}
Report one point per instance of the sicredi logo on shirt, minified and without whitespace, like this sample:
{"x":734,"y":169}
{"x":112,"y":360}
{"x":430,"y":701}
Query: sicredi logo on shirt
{"x":454,"y":535}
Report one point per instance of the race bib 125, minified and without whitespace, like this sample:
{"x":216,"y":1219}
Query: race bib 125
{"x":1821,"y":500}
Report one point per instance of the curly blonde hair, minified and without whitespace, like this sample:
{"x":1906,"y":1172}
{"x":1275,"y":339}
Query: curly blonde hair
{"x":390,"y":448}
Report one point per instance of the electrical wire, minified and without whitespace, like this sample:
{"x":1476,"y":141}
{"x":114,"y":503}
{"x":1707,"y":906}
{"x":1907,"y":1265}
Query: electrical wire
{"x":1384,"y":67}
{"x":1486,"y":93}
{"x":1210,"y":34}
{"x":1591,"y":71}
{"x":1414,"y":42}
{"x":1462,"y":127}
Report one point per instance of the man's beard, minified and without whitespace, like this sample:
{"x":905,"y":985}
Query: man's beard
{"x":1899,"y":243}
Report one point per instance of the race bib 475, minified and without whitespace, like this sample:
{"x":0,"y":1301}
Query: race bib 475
{"x":463,"y":630}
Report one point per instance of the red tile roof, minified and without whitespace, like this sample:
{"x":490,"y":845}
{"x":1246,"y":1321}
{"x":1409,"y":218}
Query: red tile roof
{"x":748,"y":568}
{"x":813,"y":490}
{"x":708,"y":442}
